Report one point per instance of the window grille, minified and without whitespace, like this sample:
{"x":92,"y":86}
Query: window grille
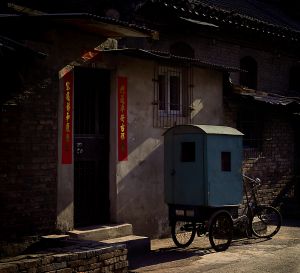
{"x":173,"y":95}
{"x":294,"y":83}
{"x":248,"y":78}
{"x":182,"y":49}
{"x":250,"y":123}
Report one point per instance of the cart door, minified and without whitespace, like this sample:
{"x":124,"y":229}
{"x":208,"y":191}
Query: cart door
{"x":188,"y":178}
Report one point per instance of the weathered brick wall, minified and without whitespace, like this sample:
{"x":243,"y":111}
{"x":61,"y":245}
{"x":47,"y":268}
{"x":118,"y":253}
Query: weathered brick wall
{"x":28,"y":162}
{"x":273,"y":64}
{"x":89,"y":257}
{"x":274,"y":164}
{"x":29,"y":137}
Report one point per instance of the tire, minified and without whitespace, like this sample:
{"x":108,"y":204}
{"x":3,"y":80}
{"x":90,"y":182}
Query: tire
{"x":266,"y":221}
{"x":220,"y":230}
{"x":248,"y":231}
{"x":183,"y":233}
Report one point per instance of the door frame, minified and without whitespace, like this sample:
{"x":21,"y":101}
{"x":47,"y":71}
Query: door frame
{"x":65,"y":172}
{"x":92,"y":85}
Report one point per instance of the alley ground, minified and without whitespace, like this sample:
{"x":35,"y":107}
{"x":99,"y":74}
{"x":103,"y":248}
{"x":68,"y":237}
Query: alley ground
{"x":279,"y":254}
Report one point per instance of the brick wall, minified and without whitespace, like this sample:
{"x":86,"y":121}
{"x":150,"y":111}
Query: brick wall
{"x":273,"y":64}
{"x":28,"y":162}
{"x":28,"y":136}
{"x":78,"y":256}
{"x":274,"y":163}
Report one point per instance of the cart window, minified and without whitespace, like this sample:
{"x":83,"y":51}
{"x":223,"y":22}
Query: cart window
{"x":188,"y":153}
{"x":226,"y":161}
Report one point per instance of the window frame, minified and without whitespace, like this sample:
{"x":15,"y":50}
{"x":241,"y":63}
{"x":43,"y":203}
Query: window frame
{"x":165,"y":116}
{"x":188,"y":151}
{"x":294,"y":80}
{"x":226,"y":161}
{"x":251,"y":123}
{"x":167,"y":92}
{"x":249,"y":78}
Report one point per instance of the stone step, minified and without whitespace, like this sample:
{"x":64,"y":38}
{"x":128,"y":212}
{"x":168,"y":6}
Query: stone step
{"x":135,"y":245}
{"x":102,"y":232}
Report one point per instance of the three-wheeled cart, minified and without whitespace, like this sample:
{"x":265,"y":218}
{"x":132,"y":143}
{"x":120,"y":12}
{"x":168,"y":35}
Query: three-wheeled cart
{"x":203,"y":182}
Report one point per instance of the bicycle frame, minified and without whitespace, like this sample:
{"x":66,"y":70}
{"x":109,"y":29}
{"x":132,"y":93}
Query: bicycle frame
{"x":218,"y":223}
{"x":250,"y":206}
{"x":253,"y":194}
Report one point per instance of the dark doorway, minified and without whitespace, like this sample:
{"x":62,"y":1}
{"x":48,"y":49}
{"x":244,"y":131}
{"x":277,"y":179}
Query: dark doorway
{"x":297,"y":161}
{"x":91,"y":146}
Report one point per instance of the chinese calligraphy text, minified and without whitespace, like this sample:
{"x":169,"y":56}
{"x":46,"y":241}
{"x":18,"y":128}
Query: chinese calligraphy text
{"x":122,"y":119}
{"x":67,"y":134}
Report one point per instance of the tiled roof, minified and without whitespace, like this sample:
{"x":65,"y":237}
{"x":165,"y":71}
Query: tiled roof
{"x":12,"y":45}
{"x":87,"y":19}
{"x":268,"y":98}
{"x":167,"y":56}
{"x":252,"y":15}
{"x":256,"y":10}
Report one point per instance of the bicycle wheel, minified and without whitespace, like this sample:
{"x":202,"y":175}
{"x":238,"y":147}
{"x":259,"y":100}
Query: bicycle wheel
{"x":220,"y":231}
{"x":266,"y":221}
{"x":183,"y":233}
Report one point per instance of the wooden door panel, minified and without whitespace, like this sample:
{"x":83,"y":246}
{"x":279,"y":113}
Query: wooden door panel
{"x":91,"y":142}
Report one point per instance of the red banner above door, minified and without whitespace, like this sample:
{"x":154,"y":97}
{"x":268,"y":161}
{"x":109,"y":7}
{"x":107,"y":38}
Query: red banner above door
{"x":122,"y":119}
{"x":67,"y":132}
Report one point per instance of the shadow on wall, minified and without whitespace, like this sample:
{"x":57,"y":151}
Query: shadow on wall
{"x":140,"y":190}
{"x":275,"y":183}
{"x":275,"y":163}
{"x":28,"y":161}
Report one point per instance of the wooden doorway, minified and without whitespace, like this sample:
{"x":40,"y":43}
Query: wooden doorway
{"x":91,"y":146}
{"x":297,"y":161}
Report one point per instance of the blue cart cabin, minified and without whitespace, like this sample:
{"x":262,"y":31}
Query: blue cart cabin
{"x":203,"y":166}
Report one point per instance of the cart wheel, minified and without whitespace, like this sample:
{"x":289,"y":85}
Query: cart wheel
{"x":265,"y":222}
{"x":183,"y":233}
{"x":220,"y":230}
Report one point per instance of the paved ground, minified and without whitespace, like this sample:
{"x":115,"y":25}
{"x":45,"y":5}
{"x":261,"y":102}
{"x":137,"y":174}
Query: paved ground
{"x":279,"y":254}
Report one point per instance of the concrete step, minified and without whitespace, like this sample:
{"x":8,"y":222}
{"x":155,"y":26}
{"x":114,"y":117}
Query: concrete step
{"x":102,"y":232}
{"x":135,"y":245}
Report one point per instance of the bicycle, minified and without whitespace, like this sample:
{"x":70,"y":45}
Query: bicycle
{"x":262,"y":221}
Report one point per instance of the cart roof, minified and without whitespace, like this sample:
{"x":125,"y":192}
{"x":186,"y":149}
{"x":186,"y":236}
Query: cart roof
{"x":206,"y":129}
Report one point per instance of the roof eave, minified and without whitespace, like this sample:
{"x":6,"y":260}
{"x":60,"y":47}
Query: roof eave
{"x":104,"y":26}
{"x":166,"y":56}
{"x":13,"y":45}
{"x":266,"y":98}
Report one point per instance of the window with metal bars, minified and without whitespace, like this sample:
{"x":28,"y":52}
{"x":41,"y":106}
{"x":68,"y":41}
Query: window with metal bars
{"x":248,"y":77}
{"x":172,"y":95}
{"x":294,"y":84}
{"x":250,"y":122}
